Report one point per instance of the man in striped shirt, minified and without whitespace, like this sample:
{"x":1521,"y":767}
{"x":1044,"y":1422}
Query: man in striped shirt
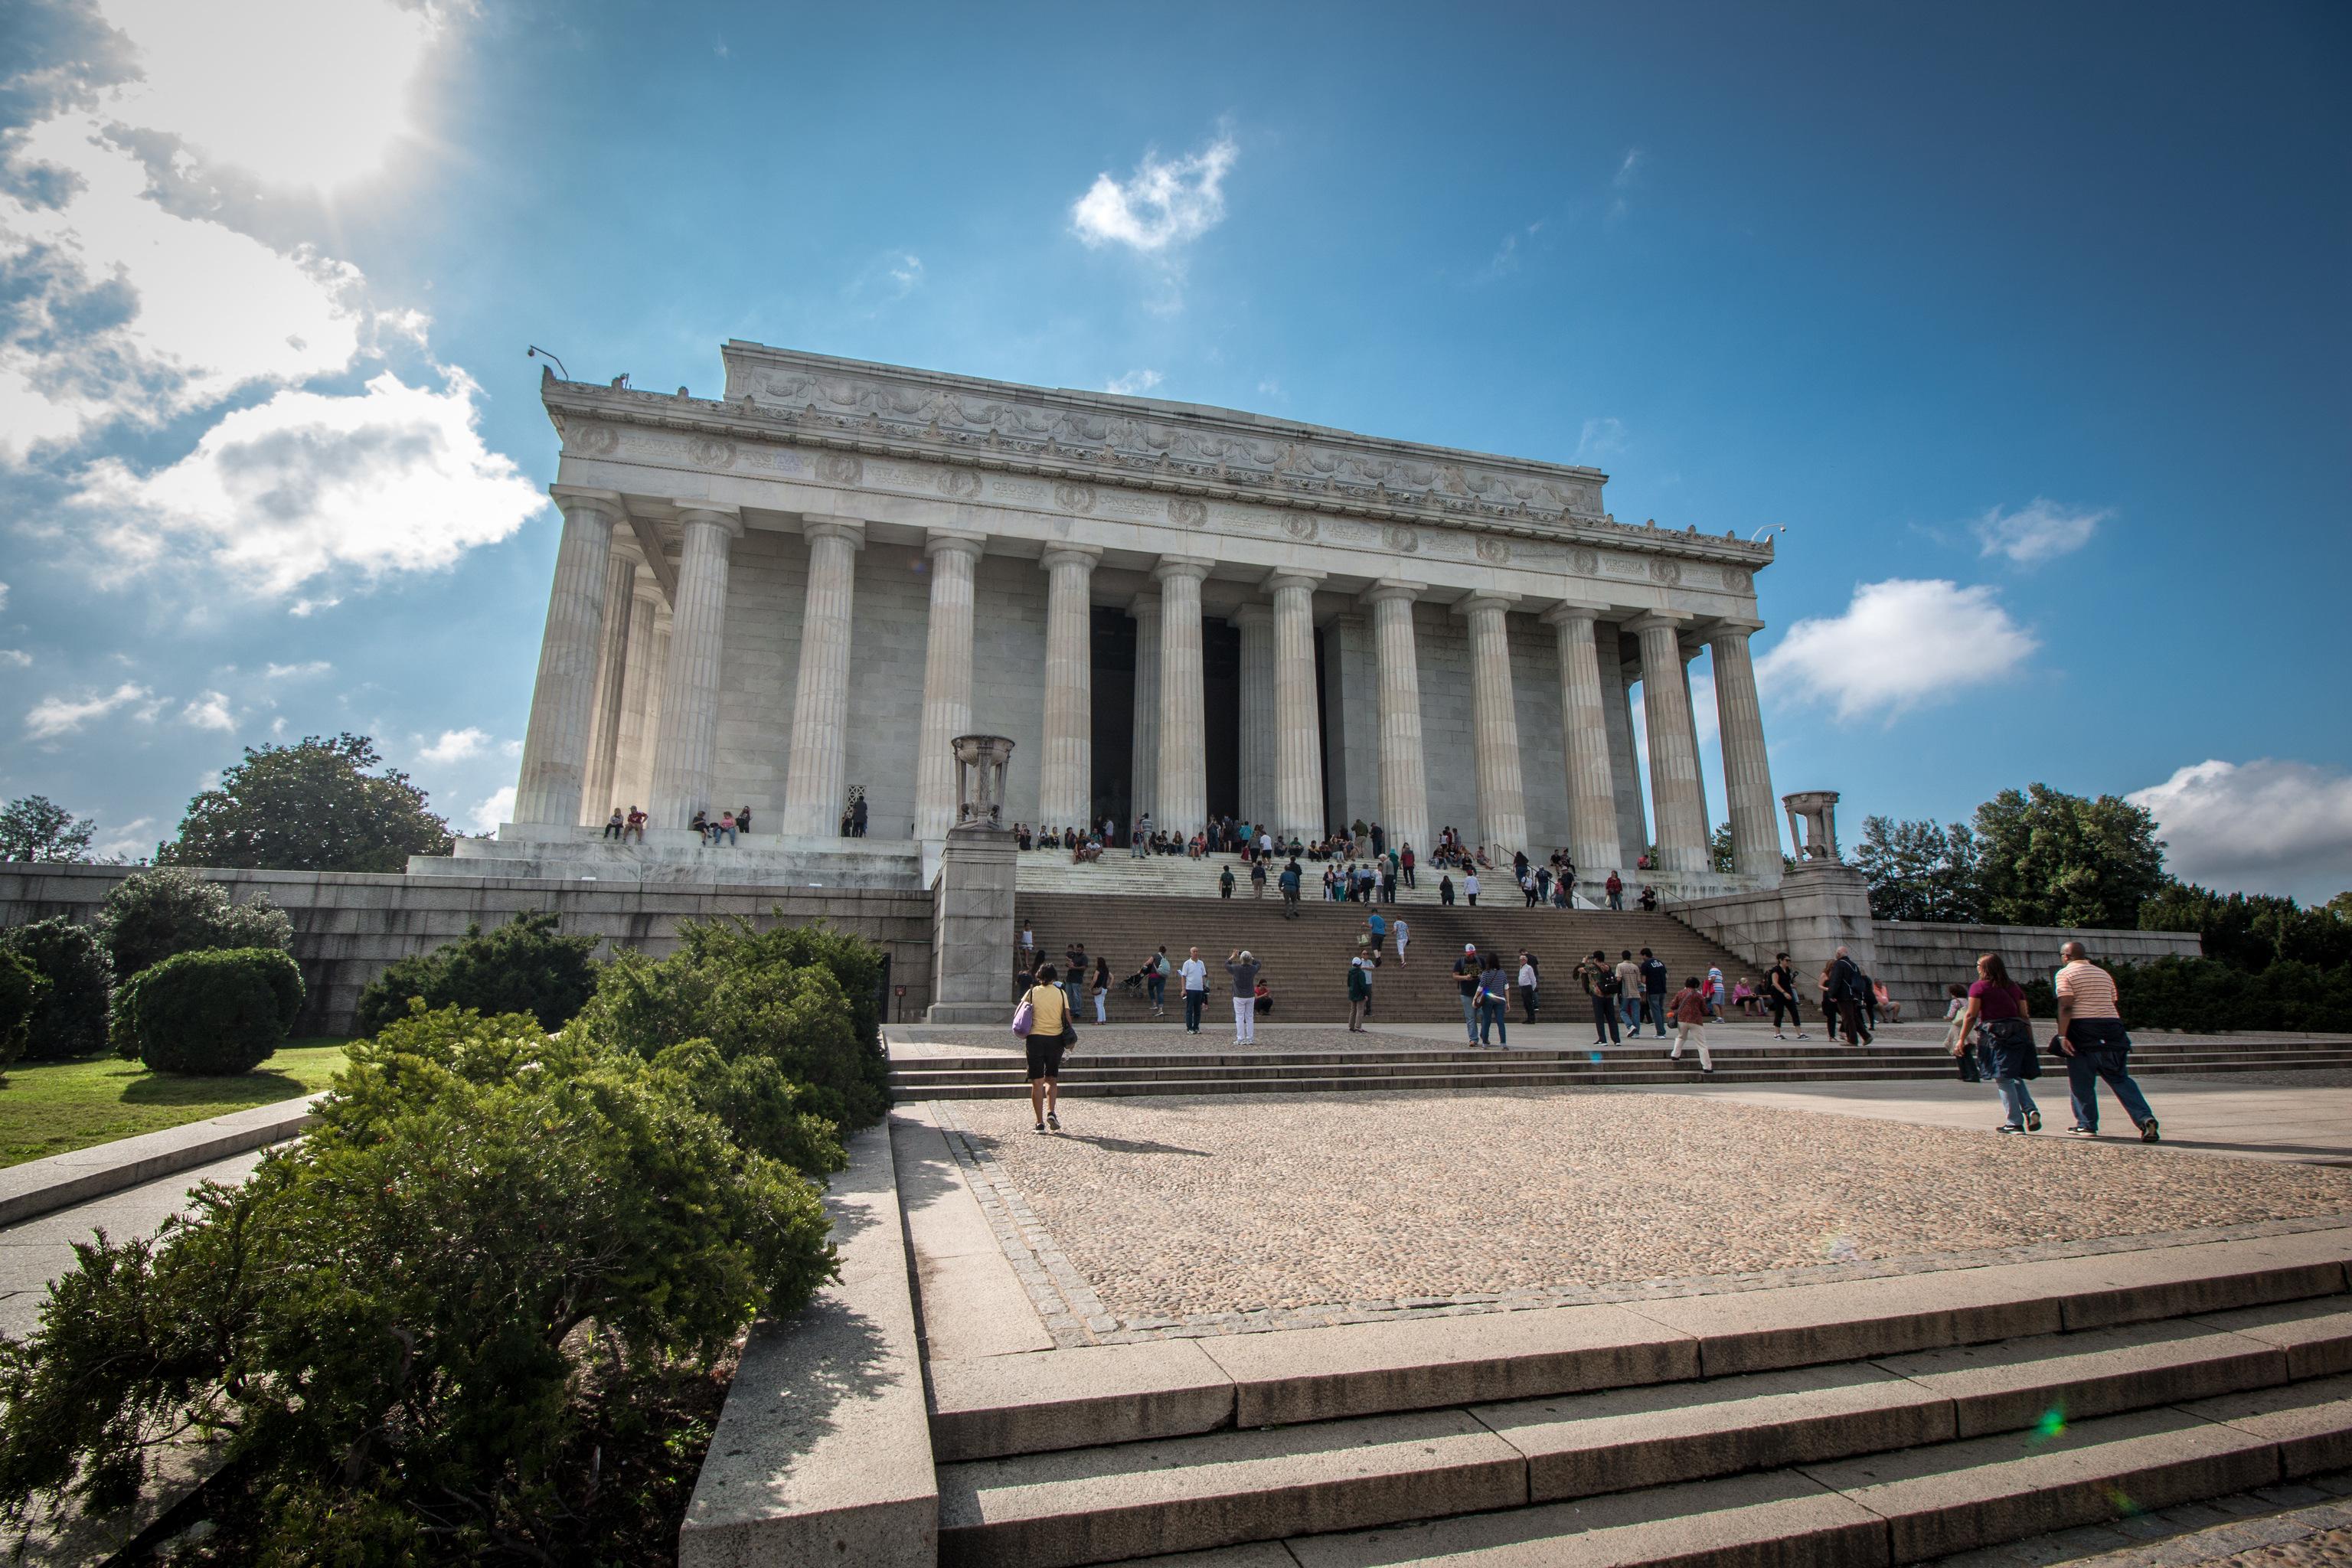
{"x":2091,"y":1036}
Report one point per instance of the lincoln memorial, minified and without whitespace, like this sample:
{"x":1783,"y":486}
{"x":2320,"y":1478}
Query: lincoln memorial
{"x":808,"y":586}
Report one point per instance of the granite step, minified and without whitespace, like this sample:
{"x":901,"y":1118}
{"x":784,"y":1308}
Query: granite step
{"x":2114,"y":1407}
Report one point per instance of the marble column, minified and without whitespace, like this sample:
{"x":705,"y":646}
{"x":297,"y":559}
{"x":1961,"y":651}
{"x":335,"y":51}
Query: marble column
{"x":640,"y":676}
{"x":1404,"y":776}
{"x":1065,"y":765}
{"x":1584,"y":743}
{"x":814,"y":773}
{"x":1746,"y":771}
{"x":1624,"y":757}
{"x":1259,"y":742}
{"x":947,"y":678}
{"x":1298,"y":718}
{"x":612,"y":673}
{"x":1494,"y":728}
{"x":1691,"y":650}
{"x":1674,"y":760}
{"x":686,"y":742}
{"x":1183,"y":794}
{"x":1144,"y":741}
{"x":657,"y":678}
{"x":563,"y":698}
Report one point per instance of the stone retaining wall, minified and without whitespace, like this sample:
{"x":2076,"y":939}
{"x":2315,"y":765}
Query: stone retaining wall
{"x":349,"y":928}
{"x":1917,"y":959}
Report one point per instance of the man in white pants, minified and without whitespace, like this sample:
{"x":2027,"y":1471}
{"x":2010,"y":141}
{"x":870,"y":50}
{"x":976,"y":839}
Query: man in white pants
{"x":1242,"y":967}
{"x":1399,"y":927}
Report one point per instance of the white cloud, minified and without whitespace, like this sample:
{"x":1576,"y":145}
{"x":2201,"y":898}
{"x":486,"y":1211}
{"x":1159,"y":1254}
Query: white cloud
{"x":136,"y":837}
{"x":1630,"y":170}
{"x":282,"y":671}
{"x":2267,"y":825}
{"x":128,"y":310}
{"x":1600,"y":439}
{"x":1900,"y":644}
{"x":209,"y":711}
{"x":1135,"y":383}
{"x":2040,"y":532}
{"x":488,"y":814}
{"x":17,"y":657}
{"x":305,"y":484}
{"x":1165,"y":203}
{"x":54,"y":715}
{"x":456,"y":745}
{"x":231,"y":79}
{"x":311,"y":606}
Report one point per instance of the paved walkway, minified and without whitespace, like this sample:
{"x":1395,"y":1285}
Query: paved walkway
{"x":39,"y":1250}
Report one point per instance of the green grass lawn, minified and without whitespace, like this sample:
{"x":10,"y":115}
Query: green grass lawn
{"x":49,"y":1107}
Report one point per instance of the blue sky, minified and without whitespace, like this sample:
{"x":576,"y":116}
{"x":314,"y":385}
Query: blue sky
{"x":2030,"y":325}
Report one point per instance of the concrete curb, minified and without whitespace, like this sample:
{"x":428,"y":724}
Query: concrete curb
{"x":822,"y":1451}
{"x":43,"y":1186}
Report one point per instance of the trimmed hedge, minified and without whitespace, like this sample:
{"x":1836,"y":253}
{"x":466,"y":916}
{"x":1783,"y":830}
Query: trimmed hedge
{"x":21,"y":989}
{"x":71,"y":1020}
{"x":216,"y":1012}
{"x":151,"y":915}
{"x":2207,"y":996}
{"x":521,"y":966}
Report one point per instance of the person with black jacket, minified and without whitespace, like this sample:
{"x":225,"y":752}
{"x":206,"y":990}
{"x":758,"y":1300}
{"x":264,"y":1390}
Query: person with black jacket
{"x":1780,"y":992}
{"x":1848,"y":990}
{"x":1599,"y":983}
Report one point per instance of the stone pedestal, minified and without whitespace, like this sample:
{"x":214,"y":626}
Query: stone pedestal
{"x":972,"y":929}
{"x":1818,"y":908}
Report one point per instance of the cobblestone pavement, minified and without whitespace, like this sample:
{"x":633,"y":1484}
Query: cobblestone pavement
{"x":1178,"y":1216}
{"x":2301,"y":1524}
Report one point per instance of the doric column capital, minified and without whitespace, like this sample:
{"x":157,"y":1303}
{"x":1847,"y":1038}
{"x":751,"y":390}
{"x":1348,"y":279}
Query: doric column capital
{"x":711,"y":515}
{"x":580,"y":498}
{"x":1070,"y":555}
{"x":1253,"y":615}
{"x":1283,"y":577}
{"x":1672,"y":620}
{"x":954,"y":542}
{"x":1568,"y":610}
{"x":1387,"y":588}
{"x":1733,"y":625}
{"x":1484,"y":599}
{"x":1144,"y":606}
{"x":815,"y":526}
{"x":1195,"y":567}
{"x":644,"y":588}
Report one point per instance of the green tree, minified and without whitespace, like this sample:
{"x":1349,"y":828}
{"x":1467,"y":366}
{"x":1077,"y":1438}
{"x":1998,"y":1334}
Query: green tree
{"x":151,"y":915}
{"x":216,"y":1012}
{"x":1920,"y":870}
{"x":2251,"y":930}
{"x":312,"y":806}
{"x":2048,"y":858}
{"x":21,"y":990}
{"x":71,"y":1018}
{"x":521,"y":966}
{"x":33,"y":830}
{"x":1719,"y":849}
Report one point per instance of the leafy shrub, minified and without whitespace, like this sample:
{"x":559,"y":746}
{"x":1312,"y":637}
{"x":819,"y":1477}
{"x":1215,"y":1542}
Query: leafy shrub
{"x":216,"y":1012}
{"x":521,"y":966}
{"x":390,"y":1319}
{"x":153,"y":915}
{"x":21,"y":989}
{"x":777,"y":1033}
{"x":2207,"y":997}
{"x":71,"y":1020}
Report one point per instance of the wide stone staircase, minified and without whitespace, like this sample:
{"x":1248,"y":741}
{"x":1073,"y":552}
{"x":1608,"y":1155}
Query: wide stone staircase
{"x":1265,"y":1071}
{"x":1866,"y":1423}
{"x":1305,"y":960}
{"x":1118,"y":873}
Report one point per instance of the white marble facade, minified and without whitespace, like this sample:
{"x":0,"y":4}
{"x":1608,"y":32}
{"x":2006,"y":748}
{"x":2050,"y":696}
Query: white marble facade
{"x":1442,"y":594}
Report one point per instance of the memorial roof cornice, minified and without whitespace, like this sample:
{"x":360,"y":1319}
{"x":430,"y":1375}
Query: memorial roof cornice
{"x":815,"y":401}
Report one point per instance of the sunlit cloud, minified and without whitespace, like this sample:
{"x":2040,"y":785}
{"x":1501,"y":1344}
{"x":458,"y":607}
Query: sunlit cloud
{"x":1900,"y":645}
{"x":1165,"y":203}
{"x":1134,"y":383}
{"x":2267,"y":825}
{"x":2040,"y":532}
{"x":54,"y":715}
{"x":456,"y":745}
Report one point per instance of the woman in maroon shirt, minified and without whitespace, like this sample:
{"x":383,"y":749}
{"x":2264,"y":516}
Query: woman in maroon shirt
{"x":1997,"y":1003}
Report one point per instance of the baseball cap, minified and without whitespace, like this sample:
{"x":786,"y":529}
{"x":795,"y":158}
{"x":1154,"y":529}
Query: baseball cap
{"x":1469,"y":947}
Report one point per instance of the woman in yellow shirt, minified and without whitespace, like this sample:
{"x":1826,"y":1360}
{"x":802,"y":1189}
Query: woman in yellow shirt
{"x":1049,"y":1034}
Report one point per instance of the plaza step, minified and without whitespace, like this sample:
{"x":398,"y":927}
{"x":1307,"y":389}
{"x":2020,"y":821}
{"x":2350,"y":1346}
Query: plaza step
{"x":1305,"y":960}
{"x":1119,"y":874}
{"x":1810,"y":1448}
{"x":1004,"y":1077}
